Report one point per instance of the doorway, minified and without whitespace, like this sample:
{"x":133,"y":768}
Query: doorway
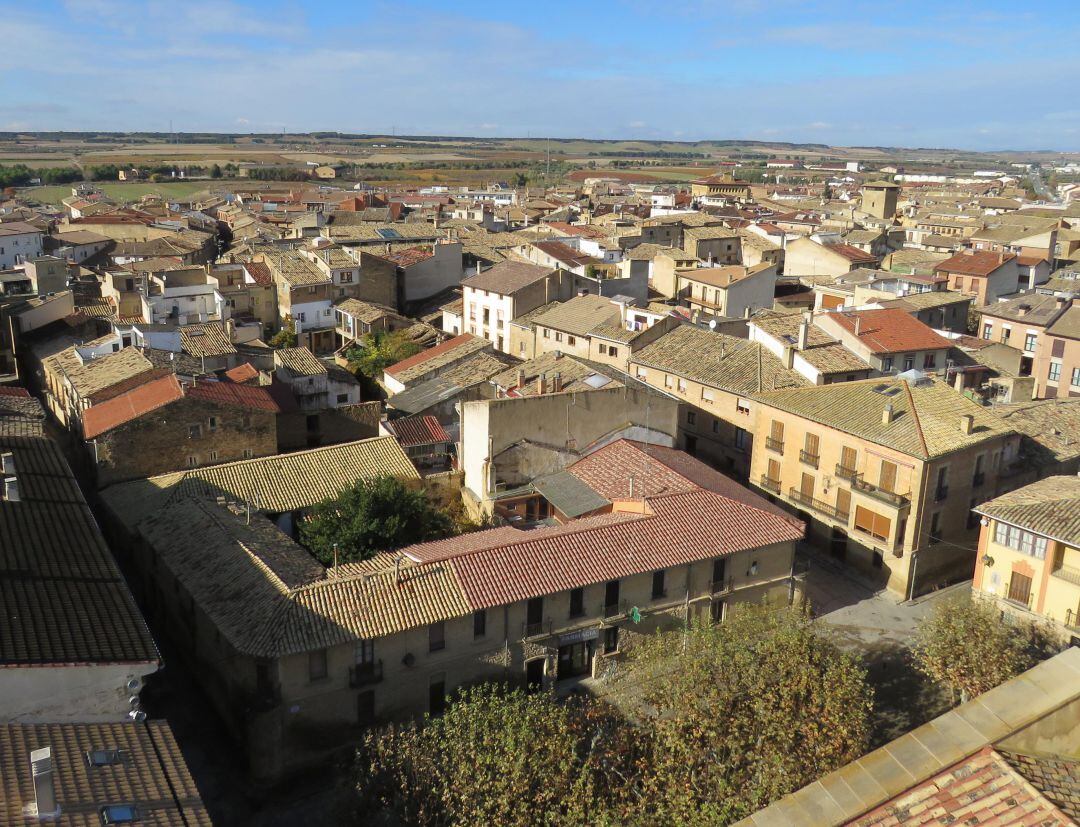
{"x":534,"y":674}
{"x":575,"y":660}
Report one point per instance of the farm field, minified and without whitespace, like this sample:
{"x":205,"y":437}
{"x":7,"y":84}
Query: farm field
{"x":121,"y":192}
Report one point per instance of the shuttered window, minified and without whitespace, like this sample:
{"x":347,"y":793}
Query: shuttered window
{"x":812,"y":444}
{"x":848,"y":457}
{"x":843,"y":500}
{"x":887,"y":478}
{"x":1020,"y":588}
{"x":872,"y":523}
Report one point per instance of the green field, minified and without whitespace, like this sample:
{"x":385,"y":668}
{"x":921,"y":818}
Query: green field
{"x":122,"y":193}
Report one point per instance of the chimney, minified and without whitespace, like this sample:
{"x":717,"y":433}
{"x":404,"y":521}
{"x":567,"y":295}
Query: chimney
{"x":858,"y":324}
{"x":521,"y":379}
{"x":555,"y":385}
{"x":789,"y":357}
{"x":967,"y":424}
{"x":887,"y":414}
{"x":41,"y":769}
{"x":540,"y":385}
{"x":1059,"y":302}
{"x":1022,"y":310}
{"x":804,"y":333}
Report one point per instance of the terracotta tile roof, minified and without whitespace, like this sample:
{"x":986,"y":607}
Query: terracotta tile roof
{"x":851,"y":253}
{"x":507,"y":277}
{"x":890,"y":330}
{"x":208,"y":339}
{"x":255,"y":397}
{"x":410,"y":256}
{"x":452,"y":349}
{"x":299,"y":360}
{"x":1050,"y":506}
{"x":243,"y":372}
{"x":973,"y":263}
{"x":62,"y":596}
{"x":412,"y":431}
{"x":259,"y":272}
{"x":114,"y":412}
{"x":285,"y":482}
{"x":722,"y":276}
{"x":565,"y":254}
{"x":926,"y":415}
{"x":152,"y":774}
{"x":1057,"y":778}
{"x":12,"y":391}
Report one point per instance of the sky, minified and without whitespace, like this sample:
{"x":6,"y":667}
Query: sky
{"x":971,"y":75}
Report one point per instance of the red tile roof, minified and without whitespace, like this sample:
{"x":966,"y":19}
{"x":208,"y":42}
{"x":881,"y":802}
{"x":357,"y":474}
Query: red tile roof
{"x":418,"y":430}
{"x":565,"y":253}
{"x":242,"y":373}
{"x":851,"y":253}
{"x":131,"y":405}
{"x":11,"y":390}
{"x":503,"y":565}
{"x":973,"y":262}
{"x":409,"y":256}
{"x":260,"y":272}
{"x":430,"y":353}
{"x":256,"y":397}
{"x":890,"y":330}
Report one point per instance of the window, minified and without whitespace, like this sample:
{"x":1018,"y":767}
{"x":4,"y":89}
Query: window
{"x":935,"y":527}
{"x":691,"y":417}
{"x":103,"y":757}
{"x":311,"y":289}
{"x":929,"y":361}
{"x":316,"y":665}
{"x":988,"y":330}
{"x":577,"y":602}
{"x":642,"y":374}
{"x":611,"y":640}
{"x":848,"y":459}
{"x":1075,"y":380}
{"x":669,"y":380}
{"x":119,"y":814}
{"x":342,"y":398}
{"x":872,"y":523}
{"x":194,"y":431}
{"x":658,"y":589}
{"x":558,"y":336}
{"x":909,"y":362}
{"x":972,"y":517}
{"x":547,"y":333}
{"x":479,"y":623}
{"x":613,"y":351}
{"x":570,"y":340}
{"x":437,"y":636}
{"x":1006,"y":332}
{"x":248,"y":453}
{"x":1054,"y":373}
{"x":682,"y":386}
{"x":886,"y":364}
{"x":887,"y":476}
{"x":1020,"y":588}
{"x":742,"y":407}
{"x":1029,"y":342}
{"x":193,"y":460}
{"x":437,"y":694}
{"x":740,"y":438}
{"x":211,"y":423}
{"x":707,"y":395}
{"x":603,"y":350}
{"x":213,"y":456}
{"x":1020,"y":540}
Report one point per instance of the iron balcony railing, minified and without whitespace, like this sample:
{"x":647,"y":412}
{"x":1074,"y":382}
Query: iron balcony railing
{"x":721,"y":586}
{"x":1067,"y":573}
{"x":822,"y":507}
{"x":812,"y":460}
{"x":845,"y":473}
{"x":774,"y":444}
{"x":770,"y":484}
{"x":536,"y":629}
{"x":858,"y":483}
{"x":363,"y":674}
{"x":1072,"y":619}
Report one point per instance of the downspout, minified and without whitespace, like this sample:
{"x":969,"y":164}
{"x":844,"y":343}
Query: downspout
{"x":918,"y":532}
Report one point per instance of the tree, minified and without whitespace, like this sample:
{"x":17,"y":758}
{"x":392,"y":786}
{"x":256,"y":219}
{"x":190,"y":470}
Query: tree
{"x":966,"y":646}
{"x":497,"y":756}
{"x":370,"y":516}
{"x":742,"y":713}
{"x":215,"y":171}
{"x":377,"y":351}
{"x":286,"y":337}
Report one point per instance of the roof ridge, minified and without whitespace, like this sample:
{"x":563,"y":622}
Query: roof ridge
{"x":916,"y":419}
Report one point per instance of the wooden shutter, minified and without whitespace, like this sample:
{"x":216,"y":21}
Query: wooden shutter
{"x":874,"y":524}
{"x":777,"y":430}
{"x":843,"y":500}
{"x":812,"y":444}
{"x":887,"y":479}
{"x":1058,"y":348}
{"x":774,"y":470}
{"x":807,"y":485}
{"x":848,"y":457}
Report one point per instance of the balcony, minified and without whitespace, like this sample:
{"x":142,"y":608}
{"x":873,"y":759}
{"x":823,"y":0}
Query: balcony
{"x":774,"y":444}
{"x":820,"y":506}
{"x":721,"y":586}
{"x":609,"y":610}
{"x":1069,"y":573}
{"x":858,"y":483}
{"x":536,"y":629}
{"x":770,"y":484}
{"x":1072,"y":619}
{"x":845,"y":473}
{"x":364,"y":674}
{"x":813,"y":460}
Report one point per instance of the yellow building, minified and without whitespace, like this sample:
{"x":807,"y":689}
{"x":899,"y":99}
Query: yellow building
{"x":1029,"y":551}
{"x":885,"y":472}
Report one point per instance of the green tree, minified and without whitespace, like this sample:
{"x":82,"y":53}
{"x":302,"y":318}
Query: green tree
{"x":965,"y":646}
{"x":286,"y":337}
{"x":742,"y":713}
{"x":370,"y":516}
{"x":498,"y":756}
{"x":375,"y":352}
{"x":215,"y":171}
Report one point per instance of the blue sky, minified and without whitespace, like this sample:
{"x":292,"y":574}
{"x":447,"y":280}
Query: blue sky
{"x":979,"y":75}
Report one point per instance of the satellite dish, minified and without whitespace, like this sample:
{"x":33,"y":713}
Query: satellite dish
{"x":712,"y":324}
